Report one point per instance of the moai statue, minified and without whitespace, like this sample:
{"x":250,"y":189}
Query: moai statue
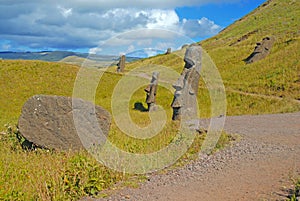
{"x":151,"y":92}
{"x":261,"y":50}
{"x":186,"y":87}
{"x":121,"y":64}
{"x":169,"y":51}
{"x":184,"y":46}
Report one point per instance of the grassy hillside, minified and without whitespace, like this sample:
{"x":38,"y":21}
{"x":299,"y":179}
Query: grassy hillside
{"x":279,"y":73}
{"x":67,"y":176}
{"x":271,"y":85}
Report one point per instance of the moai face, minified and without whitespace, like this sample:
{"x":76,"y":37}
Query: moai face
{"x":187,"y":84}
{"x":261,"y":50}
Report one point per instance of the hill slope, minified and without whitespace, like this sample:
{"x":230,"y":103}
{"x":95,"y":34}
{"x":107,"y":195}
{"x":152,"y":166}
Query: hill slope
{"x":277,"y":77}
{"x":279,"y":73}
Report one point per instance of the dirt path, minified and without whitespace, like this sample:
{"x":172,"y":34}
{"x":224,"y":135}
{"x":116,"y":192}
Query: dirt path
{"x":255,"y":168}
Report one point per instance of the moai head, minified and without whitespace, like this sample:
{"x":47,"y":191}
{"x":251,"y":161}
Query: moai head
{"x":187,"y":85}
{"x":184,"y":46}
{"x":261,"y":50}
{"x":169,"y":51}
{"x":263,"y":46}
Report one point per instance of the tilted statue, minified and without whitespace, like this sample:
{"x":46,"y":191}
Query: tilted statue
{"x":151,"y":91}
{"x":262,"y":49}
{"x":185,"y":96}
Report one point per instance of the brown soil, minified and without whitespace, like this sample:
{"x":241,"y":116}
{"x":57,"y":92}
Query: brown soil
{"x":258,"y":167}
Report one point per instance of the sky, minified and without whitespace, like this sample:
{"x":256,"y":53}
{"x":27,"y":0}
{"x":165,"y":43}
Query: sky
{"x":114,"y":26}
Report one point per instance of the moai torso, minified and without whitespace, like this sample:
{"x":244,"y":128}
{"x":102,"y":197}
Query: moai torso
{"x":151,"y":91}
{"x":121,"y":64}
{"x":185,"y":96}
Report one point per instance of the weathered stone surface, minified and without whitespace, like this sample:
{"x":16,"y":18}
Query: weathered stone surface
{"x":48,"y":121}
{"x":169,"y":51}
{"x":151,"y":90}
{"x":261,"y":50}
{"x":121,"y":64}
{"x":184,"y":102}
{"x":185,"y":46}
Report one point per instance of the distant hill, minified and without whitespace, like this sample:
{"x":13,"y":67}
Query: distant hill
{"x":66,"y":57}
{"x":44,"y":56}
{"x":88,"y":62}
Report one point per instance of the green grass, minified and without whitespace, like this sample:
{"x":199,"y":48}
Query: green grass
{"x":268,"y":86}
{"x":50,"y":175}
{"x":279,"y":73}
{"x":66,"y":175}
{"x":296,"y":192}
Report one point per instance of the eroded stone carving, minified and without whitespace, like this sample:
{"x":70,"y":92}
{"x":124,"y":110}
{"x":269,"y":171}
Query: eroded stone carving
{"x":185,"y":96}
{"x":151,"y":90}
{"x":121,"y":64}
{"x":261,"y":50}
{"x":169,"y":51}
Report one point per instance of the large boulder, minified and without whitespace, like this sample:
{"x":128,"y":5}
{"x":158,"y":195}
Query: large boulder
{"x":63,"y":123}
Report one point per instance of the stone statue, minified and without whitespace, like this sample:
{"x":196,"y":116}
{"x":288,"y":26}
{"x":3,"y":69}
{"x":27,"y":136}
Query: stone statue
{"x":186,"y":87}
{"x":261,"y":50}
{"x":169,"y":51}
{"x":121,"y":64}
{"x":151,"y":92}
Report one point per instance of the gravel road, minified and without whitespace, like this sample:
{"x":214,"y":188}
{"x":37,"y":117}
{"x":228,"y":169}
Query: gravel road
{"x":255,"y":168}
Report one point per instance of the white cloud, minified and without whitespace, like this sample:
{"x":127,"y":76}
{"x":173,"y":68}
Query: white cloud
{"x":162,"y":19}
{"x":201,"y":27}
{"x":165,"y":46}
{"x":65,"y":12}
{"x":77,"y":24}
{"x":6,"y":47}
{"x":131,"y":48}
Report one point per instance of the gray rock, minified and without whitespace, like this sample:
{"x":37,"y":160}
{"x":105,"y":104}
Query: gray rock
{"x":48,"y":121}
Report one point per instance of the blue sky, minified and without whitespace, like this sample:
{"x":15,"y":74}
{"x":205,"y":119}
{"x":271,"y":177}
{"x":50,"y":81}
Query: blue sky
{"x":114,"y":26}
